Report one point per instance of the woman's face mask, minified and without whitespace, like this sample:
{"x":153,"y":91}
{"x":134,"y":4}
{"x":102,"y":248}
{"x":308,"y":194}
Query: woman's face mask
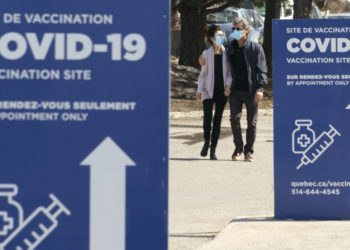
{"x":219,"y":38}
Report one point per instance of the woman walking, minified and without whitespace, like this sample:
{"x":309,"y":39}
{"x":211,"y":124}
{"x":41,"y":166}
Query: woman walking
{"x":214,"y":84}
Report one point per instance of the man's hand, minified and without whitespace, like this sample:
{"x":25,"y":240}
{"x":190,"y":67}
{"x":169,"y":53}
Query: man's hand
{"x":198,"y":96}
{"x":227,"y":91}
{"x":202,"y":61}
{"x":259,"y":95}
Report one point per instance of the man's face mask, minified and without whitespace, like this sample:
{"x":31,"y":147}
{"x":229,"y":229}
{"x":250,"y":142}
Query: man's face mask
{"x":236,"y":34}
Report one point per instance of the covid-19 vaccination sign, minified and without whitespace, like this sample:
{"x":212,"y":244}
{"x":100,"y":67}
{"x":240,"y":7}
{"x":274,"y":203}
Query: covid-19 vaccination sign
{"x":84,"y":124}
{"x":311,"y":76}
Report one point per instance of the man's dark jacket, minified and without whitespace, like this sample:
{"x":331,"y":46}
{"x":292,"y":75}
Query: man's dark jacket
{"x":256,"y":65}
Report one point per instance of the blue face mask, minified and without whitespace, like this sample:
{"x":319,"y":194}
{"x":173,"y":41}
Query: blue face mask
{"x":219,"y":40}
{"x":237,"y":34}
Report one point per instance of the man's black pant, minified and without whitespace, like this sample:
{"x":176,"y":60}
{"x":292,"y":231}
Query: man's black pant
{"x":237,"y":98}
{"x":220,"y":102}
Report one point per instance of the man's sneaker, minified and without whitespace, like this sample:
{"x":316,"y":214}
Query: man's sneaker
{"x":248,"y":157}
{"x":236,"y":155}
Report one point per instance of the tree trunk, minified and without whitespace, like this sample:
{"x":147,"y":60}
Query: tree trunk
{"x":302,"y":9}
{"x":277,"y":9}
{"x":193,"y":21}
{"x":271,"y":11}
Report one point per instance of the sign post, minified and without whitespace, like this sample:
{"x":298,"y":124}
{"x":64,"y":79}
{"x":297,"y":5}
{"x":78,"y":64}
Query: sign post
{"x":84,"y":92}
{"x":311,"y":60}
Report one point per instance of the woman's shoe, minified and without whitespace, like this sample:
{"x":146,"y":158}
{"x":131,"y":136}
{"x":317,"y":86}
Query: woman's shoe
{"x":205,"y":148}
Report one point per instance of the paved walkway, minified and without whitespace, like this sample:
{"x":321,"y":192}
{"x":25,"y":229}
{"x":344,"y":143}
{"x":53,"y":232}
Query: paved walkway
{"x":269,"y":234}
{"x":226,"y":205}
{"x":204,"y":195}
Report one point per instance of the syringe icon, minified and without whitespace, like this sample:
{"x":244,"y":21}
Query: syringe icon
{"x":36,"y":227}
{"x":318,"y":147}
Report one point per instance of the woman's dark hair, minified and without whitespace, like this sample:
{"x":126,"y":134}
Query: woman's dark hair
{"x":211,"y":32}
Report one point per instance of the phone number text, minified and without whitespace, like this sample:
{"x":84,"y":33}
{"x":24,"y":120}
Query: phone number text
{"x":295,"y":191}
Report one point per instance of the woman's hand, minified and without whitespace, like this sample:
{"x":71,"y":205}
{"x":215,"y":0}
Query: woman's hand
{"x":198,"y":96}
{"x":202,"y":61}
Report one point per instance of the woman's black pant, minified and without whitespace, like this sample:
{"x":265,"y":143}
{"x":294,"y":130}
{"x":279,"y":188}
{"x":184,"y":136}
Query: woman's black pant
{"x":220,"y":102}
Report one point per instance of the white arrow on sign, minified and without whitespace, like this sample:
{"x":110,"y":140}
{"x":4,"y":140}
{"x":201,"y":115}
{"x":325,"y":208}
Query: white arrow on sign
{"x":107,"y":195}
{"x":348,"y":107}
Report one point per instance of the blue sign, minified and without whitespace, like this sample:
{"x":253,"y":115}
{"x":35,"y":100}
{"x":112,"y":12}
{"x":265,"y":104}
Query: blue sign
{"x":84,"y":89}
{"x":311,"y":60}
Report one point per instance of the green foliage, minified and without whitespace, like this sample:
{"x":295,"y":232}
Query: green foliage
{"x":259,"y":3}
{"x":175,"y":4}
{"x":234,"y":2}
{"x":320,"y":3}
{"x":209,"y":3}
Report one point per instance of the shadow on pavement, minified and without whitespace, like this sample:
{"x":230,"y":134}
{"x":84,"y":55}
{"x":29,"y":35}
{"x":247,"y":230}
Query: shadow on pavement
{"x":188,"y":159}
{"x":255,"y":219}
{"x":198,"y":137}
{"x":209,"y":235}
{"x":205,"y":159}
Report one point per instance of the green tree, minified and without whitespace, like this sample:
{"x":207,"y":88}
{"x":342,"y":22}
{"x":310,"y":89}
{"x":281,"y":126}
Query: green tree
{"x":193,"y":23}
{"x":271,"y":12}
{"x":321,"y":3}
{"x":302,"y":9}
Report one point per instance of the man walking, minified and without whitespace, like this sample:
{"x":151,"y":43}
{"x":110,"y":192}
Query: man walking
{"x":248,"y":68}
